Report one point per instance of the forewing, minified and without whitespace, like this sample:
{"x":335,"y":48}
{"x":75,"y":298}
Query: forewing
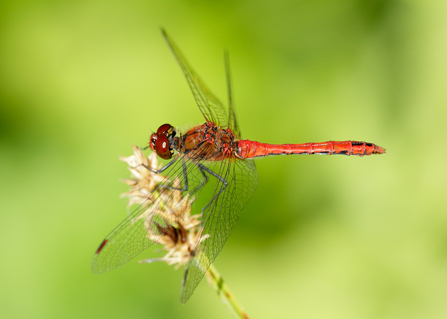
{"x":220,"y":217}
{"x":232,"y":121}
{"x":131,"y":237}
{"x":126,"y":241}
{"x":209,"y":105}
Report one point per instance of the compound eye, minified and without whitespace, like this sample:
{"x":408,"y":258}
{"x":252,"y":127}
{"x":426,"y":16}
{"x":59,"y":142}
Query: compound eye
{"x":164,"y":129}
{"x":152,"y":141}
{"x":162,"y":147}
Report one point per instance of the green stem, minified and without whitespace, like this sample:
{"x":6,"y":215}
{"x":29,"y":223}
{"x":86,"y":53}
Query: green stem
{"x":222,"y":289}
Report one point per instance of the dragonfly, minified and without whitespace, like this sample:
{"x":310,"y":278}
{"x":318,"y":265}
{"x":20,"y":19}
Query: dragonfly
{"x":214,"y":151}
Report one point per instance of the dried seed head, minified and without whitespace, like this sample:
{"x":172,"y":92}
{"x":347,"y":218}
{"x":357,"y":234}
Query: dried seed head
{"x":167,"y":214}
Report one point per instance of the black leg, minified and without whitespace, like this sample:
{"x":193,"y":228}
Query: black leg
{"x":161,"y":169}
{"x":204,"y":169}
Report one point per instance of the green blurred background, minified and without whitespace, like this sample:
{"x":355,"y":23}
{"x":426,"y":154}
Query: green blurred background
{"x":323,"y":237}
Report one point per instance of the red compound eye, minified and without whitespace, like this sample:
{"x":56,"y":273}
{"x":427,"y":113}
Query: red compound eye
{"x":162,"y":147}
{"x":159,"y":142}
{"x":164,"y":129}
{"x":152,"y":141}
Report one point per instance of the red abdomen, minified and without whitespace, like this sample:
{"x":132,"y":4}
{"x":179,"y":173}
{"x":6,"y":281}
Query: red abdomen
{"x":250,"y":149}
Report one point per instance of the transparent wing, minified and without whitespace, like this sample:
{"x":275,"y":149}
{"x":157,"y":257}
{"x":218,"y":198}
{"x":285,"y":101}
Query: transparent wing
{"x":130,"y":237}
{"x":237,"y":183}
{"x":232,"y":121}
{"x":209,"y":105}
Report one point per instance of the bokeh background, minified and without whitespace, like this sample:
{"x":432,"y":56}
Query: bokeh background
{"x":323,"y":237}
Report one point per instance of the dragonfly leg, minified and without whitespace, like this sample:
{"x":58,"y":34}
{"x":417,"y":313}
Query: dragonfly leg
{"x":204,"y":169}
{"x":161,"y":170}
{"x":185,"y":176}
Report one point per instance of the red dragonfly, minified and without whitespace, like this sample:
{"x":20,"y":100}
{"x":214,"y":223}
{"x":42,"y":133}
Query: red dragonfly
{"x":210,"y":150}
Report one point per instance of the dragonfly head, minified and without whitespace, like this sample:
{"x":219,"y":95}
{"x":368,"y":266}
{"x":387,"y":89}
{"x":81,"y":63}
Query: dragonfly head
{"x":160,"y":142}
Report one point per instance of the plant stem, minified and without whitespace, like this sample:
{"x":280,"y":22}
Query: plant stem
{"x":222,"y":289}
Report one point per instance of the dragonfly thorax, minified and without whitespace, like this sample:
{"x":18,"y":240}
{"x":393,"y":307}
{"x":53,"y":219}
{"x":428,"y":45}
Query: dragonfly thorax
{"x":161,"y":141}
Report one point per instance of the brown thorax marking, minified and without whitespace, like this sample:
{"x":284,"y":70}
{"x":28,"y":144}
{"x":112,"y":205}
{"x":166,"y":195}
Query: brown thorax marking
{"x":222,"y":139}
